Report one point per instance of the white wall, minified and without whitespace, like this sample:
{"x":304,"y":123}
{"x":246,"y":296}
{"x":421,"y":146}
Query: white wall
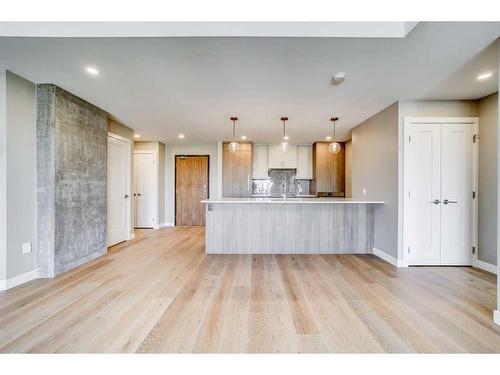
{"x":375,"y":168}
{"x":497,"y":311}
{"x":18,"y":177}
{"x":488,"y":188}
{"x":3,"y":178}
{"x":171,"y":152}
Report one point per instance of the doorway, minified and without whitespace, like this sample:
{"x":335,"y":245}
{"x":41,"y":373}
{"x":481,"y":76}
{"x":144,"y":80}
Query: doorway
{"x":191,"y":187}
{"x":440,"y":184}
{"x":145,"y":190}
{"x":119,"y":205}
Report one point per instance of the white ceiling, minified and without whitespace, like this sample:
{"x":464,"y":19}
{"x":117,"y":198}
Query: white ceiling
{"x":164,"y":86}
{"x":197,"y":29}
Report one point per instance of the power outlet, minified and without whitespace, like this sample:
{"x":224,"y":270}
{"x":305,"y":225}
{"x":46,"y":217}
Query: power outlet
{"x":26,"y":247}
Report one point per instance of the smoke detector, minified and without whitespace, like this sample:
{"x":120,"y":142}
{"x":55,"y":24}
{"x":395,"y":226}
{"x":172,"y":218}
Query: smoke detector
{"x":338,"y":78}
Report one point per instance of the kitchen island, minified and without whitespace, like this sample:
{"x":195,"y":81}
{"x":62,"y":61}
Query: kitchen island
{"x":289,"y":226}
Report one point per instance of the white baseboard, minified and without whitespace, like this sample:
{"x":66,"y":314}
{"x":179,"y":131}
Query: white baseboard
{"x":485,"y":266}
{"x":388,"y":258}
{"x":131,"y":236}
{"x":163,"y":225}
{"x":496,"y":316}
{"x":18,"y":280}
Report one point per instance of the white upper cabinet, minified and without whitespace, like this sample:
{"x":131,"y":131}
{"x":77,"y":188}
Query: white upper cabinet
{"x":279,"y":160}
{"x":304,"y":163}
{"x":259,"y":170}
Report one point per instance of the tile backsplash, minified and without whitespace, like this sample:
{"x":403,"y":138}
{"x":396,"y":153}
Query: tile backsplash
{"x":281,"y":181}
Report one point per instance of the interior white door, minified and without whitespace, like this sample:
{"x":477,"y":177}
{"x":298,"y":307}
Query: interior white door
{"x":118,"y":190}
{"x":423,"y":182}
{"x":457,"y":182}
{"x":439,"y":181}
{"x":145,"y":190}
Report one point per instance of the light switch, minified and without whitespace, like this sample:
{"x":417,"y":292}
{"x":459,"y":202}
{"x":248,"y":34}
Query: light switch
{"x":364,"y":191}
{"x":26,"y":247}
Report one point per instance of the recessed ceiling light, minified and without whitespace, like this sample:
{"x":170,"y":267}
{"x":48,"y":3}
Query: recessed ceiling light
{"x":243,"y":137}
{"x":181,"y":136}
{"x":328,"y":138}
{"x":338,"y":78}
{"x":484,"y":76}
{"x":92,"y":71}
{"x":137,"y":136}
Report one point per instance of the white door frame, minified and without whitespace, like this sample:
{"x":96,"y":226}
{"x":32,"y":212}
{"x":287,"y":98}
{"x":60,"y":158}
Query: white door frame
{"x":130,"y":229}
{"x":407,"y":121}
{"x":156,"y":178}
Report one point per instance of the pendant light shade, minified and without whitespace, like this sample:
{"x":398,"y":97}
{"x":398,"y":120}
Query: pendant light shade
{"x":234,"y":146}
{"x":284,"y":146}
{"x":334,"y":147}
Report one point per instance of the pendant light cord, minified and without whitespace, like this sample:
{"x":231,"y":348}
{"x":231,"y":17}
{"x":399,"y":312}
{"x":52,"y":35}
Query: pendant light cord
{"x":233,"y":119}
{"x":284,"y":119}
{"x":333,"y":119}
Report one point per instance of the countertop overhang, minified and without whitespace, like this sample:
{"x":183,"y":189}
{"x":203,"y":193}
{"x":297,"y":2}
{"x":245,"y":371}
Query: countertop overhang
{"x":290,"y":201}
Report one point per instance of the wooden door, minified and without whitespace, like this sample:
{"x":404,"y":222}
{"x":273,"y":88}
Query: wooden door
{"x":191,"y":187}
{"x":237,"y":170}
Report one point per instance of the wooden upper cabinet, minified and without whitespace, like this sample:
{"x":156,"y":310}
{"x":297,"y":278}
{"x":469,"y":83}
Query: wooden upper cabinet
{"x":328,"y":169}
{"x":237,"y":170}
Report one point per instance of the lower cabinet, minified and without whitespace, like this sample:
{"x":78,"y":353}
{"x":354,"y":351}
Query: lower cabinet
{"x":237,"y":170}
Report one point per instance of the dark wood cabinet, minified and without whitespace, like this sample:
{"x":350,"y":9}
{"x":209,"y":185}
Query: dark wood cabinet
{"x":237,"y":170}
{"x":328,"y":170}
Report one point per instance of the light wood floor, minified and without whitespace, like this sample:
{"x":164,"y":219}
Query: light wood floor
{"x":160,"y":293}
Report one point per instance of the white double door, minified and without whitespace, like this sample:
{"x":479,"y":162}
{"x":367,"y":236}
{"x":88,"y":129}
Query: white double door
{"x":439,"y":188}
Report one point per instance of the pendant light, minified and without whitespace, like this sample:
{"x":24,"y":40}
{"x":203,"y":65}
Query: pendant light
{"x":334,"y":147}
{"x":284,"y":146}
{"x":234,"y":146}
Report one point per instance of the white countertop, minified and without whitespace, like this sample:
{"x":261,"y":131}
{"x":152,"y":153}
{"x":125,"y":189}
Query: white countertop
{"x":292,"y":201}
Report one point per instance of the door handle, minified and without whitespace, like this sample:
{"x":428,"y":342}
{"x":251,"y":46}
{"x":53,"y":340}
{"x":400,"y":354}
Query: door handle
{"x":435,"y":201}
{"x":126,"y":196}
{"x":139,"y":194}
{"x":446,"y":201}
